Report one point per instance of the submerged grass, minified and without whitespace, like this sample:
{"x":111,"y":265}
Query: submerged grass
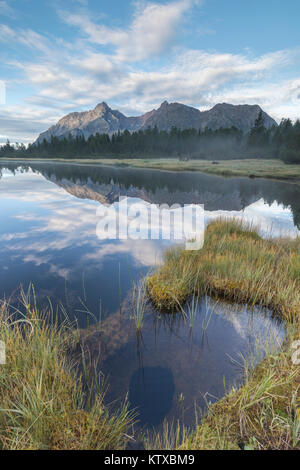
{"x":236,"y":264}
{"x":43,"y":402}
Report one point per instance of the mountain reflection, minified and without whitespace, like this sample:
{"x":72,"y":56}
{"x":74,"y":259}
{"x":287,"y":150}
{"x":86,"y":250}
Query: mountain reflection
{"x":107,"y":184}
{"x":48,"y":223}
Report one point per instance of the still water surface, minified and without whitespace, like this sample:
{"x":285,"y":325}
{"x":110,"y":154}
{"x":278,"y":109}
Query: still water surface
{"x":48,"y":237}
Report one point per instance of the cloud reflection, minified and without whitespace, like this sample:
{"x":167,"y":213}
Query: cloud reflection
{"x":48,"y":226}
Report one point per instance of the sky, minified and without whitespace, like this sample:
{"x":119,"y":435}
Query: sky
{"x":60,"y":56}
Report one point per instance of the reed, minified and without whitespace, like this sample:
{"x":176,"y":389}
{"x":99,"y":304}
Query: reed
{"x":139,"y":302}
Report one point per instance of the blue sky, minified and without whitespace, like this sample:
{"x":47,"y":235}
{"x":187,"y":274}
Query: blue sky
{"x":63,"y":56}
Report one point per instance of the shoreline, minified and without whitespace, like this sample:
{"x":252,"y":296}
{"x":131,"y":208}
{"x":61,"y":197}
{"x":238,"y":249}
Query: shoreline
{"x":250,"y":168}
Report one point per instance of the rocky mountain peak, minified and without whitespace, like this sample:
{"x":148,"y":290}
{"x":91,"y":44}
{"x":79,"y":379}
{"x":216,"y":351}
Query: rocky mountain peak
{"x":102,"y":119}
{"x":102,"y":107}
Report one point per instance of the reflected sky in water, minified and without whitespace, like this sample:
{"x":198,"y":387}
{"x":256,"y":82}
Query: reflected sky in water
{"x":48,"y":223}
{"x":48,"y":237}
{"x":180,"y":362}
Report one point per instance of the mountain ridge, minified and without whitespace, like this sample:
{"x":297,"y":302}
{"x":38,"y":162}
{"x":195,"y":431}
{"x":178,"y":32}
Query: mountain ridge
{"x":104,"y":120}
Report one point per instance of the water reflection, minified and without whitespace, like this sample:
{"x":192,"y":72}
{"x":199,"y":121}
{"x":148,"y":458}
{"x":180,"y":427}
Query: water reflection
{"x":151,"y":392}
{"x":173,"y":367}
{"x":48,"y":221}
{"x":216,"y":193}
{"x":48,"y":236}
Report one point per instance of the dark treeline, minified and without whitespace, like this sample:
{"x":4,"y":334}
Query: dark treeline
{"x":281,"y":141}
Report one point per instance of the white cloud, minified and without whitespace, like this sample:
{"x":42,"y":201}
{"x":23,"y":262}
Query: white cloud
{"x":26,"y":37}
{"x":22,"y":124}
{"x":191,"y":76}
{"x":66,"y":222}
{"x":74,"y":76}
{"x":271,"y":220}
{"x":280,"y":99}
{"x":153,"y":28}
{"x":6,"y":9}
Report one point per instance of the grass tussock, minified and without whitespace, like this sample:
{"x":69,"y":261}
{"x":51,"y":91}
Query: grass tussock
{"x":44,"y":404}
{"x":237,"y":265}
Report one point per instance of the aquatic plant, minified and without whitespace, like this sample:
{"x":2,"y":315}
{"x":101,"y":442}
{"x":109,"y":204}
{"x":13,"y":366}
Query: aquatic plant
{"x":139,"y":302}
{"x":191,"y":309}
{"x":209,"y":311}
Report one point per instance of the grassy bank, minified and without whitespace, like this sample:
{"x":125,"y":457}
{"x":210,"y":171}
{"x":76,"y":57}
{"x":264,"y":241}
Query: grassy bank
{"x":257,"y":168}
{"x":237,"y":265}
{"x":262,"y":415}
{"x":44,"y":404}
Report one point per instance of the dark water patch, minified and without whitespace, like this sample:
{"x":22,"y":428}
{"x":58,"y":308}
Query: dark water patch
{"x":204,"y":360}
{"x":151,"y":393}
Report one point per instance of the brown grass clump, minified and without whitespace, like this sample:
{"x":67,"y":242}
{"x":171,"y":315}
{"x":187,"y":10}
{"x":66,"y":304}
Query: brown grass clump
{"x":235,"y":264}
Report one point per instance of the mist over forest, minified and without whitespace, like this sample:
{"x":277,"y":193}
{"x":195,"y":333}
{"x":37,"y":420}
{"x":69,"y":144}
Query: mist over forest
{"x":281,"y":142}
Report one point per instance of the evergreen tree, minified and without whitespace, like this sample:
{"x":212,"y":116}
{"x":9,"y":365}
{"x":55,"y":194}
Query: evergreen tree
{"x":258,"y":133}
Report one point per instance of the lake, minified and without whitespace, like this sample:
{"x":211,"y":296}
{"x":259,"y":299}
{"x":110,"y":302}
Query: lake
{"x":48,"y":238}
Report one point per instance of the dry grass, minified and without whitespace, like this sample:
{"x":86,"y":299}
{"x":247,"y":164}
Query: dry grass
{"x":44,"y":404}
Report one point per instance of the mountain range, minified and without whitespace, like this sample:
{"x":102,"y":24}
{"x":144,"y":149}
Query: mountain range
{"x":104,"y":120}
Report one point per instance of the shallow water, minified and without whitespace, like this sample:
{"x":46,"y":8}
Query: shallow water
{"x":48,"y":237}
{"x":179,"y":364}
